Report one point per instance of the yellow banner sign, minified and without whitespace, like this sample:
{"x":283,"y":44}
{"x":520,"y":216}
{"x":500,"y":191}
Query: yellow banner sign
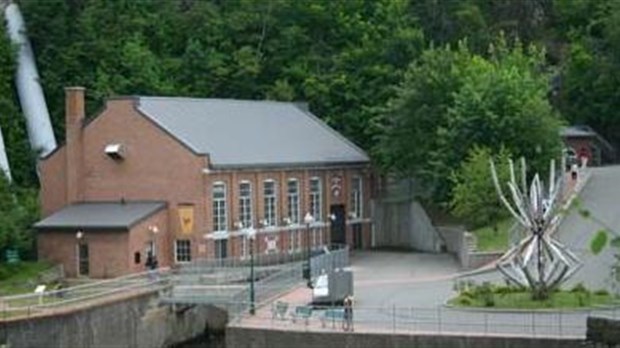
{"x":186,"y":216}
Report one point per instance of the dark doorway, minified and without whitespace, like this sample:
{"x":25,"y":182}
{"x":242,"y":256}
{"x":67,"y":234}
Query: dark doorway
{"x":83,"y":268}
{"x":357,"y":236}
{"x":338,"y":226}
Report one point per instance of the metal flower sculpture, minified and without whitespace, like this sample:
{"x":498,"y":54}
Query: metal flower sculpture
{"x":537,"y":261}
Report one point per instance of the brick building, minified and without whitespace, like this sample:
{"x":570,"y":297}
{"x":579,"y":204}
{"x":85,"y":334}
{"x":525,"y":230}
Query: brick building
{"x":186,"y":178}
{"x":583,"y":142}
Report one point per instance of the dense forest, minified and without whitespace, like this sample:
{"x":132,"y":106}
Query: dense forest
{"x":420,"y":84}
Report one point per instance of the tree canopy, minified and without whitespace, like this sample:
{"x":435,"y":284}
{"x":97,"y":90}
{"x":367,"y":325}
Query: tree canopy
{"x":340,"y":56}
{"x":452,"y":100}
{"x":418,"y":83}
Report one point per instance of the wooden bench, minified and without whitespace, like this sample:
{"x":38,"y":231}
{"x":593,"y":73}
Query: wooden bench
{"x":332,"y":315}
{"x":278,"y":310}
{"x":302,"y":312}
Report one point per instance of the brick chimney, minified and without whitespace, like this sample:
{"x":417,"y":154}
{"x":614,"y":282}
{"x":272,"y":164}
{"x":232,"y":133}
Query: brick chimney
{"x":74,"y":121}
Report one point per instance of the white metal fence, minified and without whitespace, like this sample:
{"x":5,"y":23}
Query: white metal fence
{"x":444,"y":320}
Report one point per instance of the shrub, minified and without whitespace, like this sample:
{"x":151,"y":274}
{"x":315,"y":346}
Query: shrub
{"x":485,"y":292}
{"x":465,"y":301}
{"x":508,"y":289}
{"x":579,"y":287}
{"x":601,"y":292}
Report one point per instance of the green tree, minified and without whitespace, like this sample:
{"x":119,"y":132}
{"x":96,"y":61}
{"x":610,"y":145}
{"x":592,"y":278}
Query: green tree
{"x":340,"y":56}
{"x":589,"y":86}
{"x":452,"y":100}
{"x":18,"y":212}
{"x":474,"y":197}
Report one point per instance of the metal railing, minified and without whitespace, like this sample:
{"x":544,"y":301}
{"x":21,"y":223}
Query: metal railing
{"x":202,"y":281}
{"x":330,"y":260}
{"x":442,"y":320}
{"x":47,"y":301}
{"x":260,"y":259}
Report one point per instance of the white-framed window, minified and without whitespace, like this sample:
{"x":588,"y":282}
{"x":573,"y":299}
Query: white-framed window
{"x":244,"y":246}
{"x":270,"y":196}
{"x":293,"y":200}
{"x":292,"y":240}
{"x":220,"y":221}
{"x":245,"y":203}
{"x":316,"y":196}
{"x":182,"y":250}
{"x":356,"y":196}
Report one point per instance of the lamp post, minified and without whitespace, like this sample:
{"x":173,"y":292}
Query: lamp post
{"x":79,"y":235}
{"x":251,"y":234}
{"x":154,"y":231}
{"x":308,"y":219}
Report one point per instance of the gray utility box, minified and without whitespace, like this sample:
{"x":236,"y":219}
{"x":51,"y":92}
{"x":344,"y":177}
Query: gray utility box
{"x":332,"y":287}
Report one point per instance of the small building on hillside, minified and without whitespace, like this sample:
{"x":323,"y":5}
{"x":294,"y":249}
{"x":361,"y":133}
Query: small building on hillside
{"x":180,"y":179}
{"x":584,"y":142}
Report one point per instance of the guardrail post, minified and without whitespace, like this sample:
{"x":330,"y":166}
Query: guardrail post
{"x":486,"y":322}
{"x":533,"y":323}
{"x":439,"y":318}
{"x":412,"y":320}
{"x":560,"y":322}
{"x":393,"y":318}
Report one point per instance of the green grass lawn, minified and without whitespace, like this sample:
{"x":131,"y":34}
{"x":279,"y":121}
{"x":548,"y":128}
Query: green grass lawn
{"x":490,"y":240}
{"x":20,"y":278}
{"x":522,"y":299}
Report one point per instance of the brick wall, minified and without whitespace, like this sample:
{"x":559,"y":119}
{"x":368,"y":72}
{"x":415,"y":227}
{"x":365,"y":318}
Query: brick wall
{"x":142,"y":234}
{"x":53,"y":194}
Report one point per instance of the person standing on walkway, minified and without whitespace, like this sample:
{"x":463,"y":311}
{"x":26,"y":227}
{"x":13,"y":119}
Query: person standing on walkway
{"x":348,"y":313}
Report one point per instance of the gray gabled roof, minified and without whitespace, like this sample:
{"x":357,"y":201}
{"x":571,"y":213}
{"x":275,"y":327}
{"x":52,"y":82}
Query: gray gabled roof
{"x":100,"y":215}
{"x":244,"y":133}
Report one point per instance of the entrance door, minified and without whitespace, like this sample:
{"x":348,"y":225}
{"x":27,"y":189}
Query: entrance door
{"x":338,"y":226}
{"x":83,"y":268}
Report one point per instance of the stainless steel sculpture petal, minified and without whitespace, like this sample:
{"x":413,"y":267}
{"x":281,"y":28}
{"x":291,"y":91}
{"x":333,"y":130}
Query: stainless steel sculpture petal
{"x":537,"y":261}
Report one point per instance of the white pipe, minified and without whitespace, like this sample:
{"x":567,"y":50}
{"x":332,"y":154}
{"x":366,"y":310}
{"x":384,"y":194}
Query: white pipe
{"x":29,"y":89}
{"x":4,"y":162}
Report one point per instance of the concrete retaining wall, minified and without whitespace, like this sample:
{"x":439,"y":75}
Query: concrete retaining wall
{"x":478,"y":259}
{"x":261,"y":338}
{"x":404,"y":224}
{"x":458,"y":241}
{"x":134,"y":322}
